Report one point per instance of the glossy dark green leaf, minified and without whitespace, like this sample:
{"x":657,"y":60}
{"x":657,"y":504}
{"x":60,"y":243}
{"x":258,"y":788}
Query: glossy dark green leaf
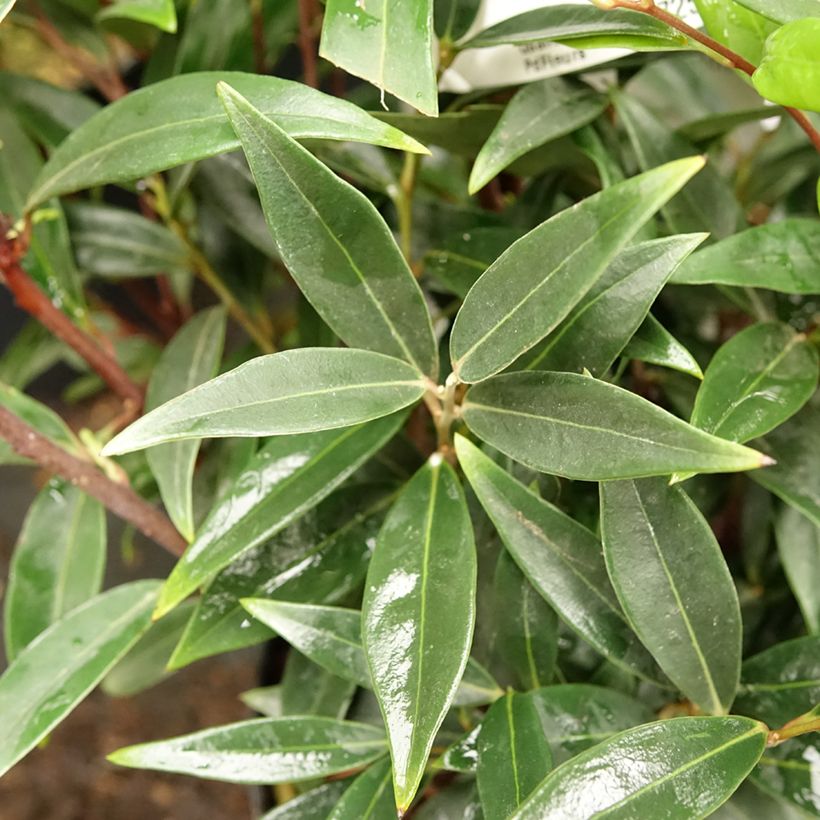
{"x":335,"y":244}
{"x":535,"y":283}
{"x":461,"y":756}
{"x":115,"y":243}
{"x":262,"y":751}
{"x":682,"y":603}
{"x":388,"y":44}
{"x":561,"y":558}
{"x":453,"y":18}
{"x":320,"y":558}
{"x":160,"y":14}
{"x":284,"y":480}
{"x":611,"y":312}
{"x":795,"y":447}
{"x":191,"y":358}
{"x":181,"y":120}
{"x":681,"y":768}
{"x":527,"y":628}
{"x":582,"y":27}
{"x":369,"y":797}
{"x":296,"y":391}
{"x":539,"y":113}
{"x":57,"y":670}
{"x":751,"y":803}
{"x":783,"y":11}
{"x":758,"y":379}
{"x":783,"y":256}
{"x":307,"y":689}
{"x":798,"y":544}
{"x":422,"y":575}
{"x":313,"y":805}
{"x":459,"y":800}
{"x":707,"y":202}
{"x":781,"y":682}
{"x":576,"y":716}
{"x":513,"y":755}
{"x":789,"y":73}
{"x":57,"y":564}
{"x":146,"y":664}
{"x":654,"y":344}
{"x":790,"y":772}
{"x":579,"y":427}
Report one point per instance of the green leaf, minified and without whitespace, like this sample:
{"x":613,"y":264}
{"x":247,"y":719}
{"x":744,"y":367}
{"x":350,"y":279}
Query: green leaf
{"x":682,"y":603}
{"x":513,"y":755}
{"x":307,"y":689}
{"x":368,"y":798}
{"x":538,"y":113}
{"x":602,"y":323}
{"x":181,"y":120}
{"x":56,"y":671}
{"x":115,"y":243}
{"x":582,"y":428}
{"x":783,"y":11}
{"x":654,"y":344}
{"x":262,"y":751}
{"x":387,"y":44}
{"x":707,"y":202}
{"x":730,"y":23}
{"x":422,"y":575}
{"x":146,"y":664}
{"x":581,"y":27}
{"x":789,"y":73}
{"x":284,"y":480}
{"x":57,"y":564}
{"x":536,"y":282}
{"x":335,"y":244}
{"x":320,"y":558}
{"x":757,"y":380}
{"x":680,"y":768}
{"x":313,"y":805}
{"x":459,"y":800}
{"x":5,"y":7}
{"x":561,"y":559}
{"x":526,"y":627}
{"x":160,"y":14}
{"x":461,"y":756}
{"x":191,"y":358}
{"x":790,"y":772}
{"x":781,"y":682}
{"x":798,"y":544}
{"x":783,"y":256}
{"x":296,"y":391}
{"x":575,"y":716}
{"x":453,"y":18}
{"x":795,"y":447}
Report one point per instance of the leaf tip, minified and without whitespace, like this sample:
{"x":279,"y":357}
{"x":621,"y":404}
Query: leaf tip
{"x":767,"y":461}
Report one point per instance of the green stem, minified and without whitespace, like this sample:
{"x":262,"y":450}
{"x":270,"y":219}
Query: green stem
{"x":404,"y":202}
{"x":803,"y":725}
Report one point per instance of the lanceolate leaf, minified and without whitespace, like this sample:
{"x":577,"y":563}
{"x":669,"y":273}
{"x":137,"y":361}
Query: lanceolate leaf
{"x":388,"y":44}
{"x":454,"y":17}
{"x":561,"y":558}
{"x":681,"y":602}
{"x":755,"y":381}
{"x":783,"y":256}
{"x":422,"y":575}
{"x":654,"y":344}
{"x":538,"y":113}
{"x":312,"y":805}
{"x":263,"y":751}
{"x":798,"y":543}
{"x":57,"y":670}
{"x":513,"y":755}
{"x":335,"y":244}
{"x":603,"y":322}
{"x":582,"y":27}
{"x":307,"y":689}
{"x":43,"y":419}
{"x":678,"y":768}
{"x":533,"y":285}
{"x":283,"y":481}
{"x":158,"y":13}
{"x":58,"y":563}
{"x":576,"y":716}
{"x":782,"y":682}
{"x":369,"y":797}
{"x":181,"y":120}
{"x":191,"y":358}
{"x":579,"y":427}
{"x":296,"y":391}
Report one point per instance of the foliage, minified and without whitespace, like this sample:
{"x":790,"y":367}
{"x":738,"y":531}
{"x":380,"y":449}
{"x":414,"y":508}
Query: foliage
{"x":501,"y":412}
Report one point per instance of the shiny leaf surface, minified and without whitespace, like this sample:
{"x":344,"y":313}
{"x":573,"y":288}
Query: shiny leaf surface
{"x":312,"y":805}
{"x":790,"y":772}
{"x":422,"y":575}
{"x":798,"y":544}
{"x":654,"y":344}
{"x":369,"y":797}
{"x":789,"y":73}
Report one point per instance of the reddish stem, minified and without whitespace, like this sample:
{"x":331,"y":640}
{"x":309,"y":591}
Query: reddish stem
{"x":307,"y":44}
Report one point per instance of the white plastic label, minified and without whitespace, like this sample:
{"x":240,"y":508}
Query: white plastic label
{"x":514,"y":65}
